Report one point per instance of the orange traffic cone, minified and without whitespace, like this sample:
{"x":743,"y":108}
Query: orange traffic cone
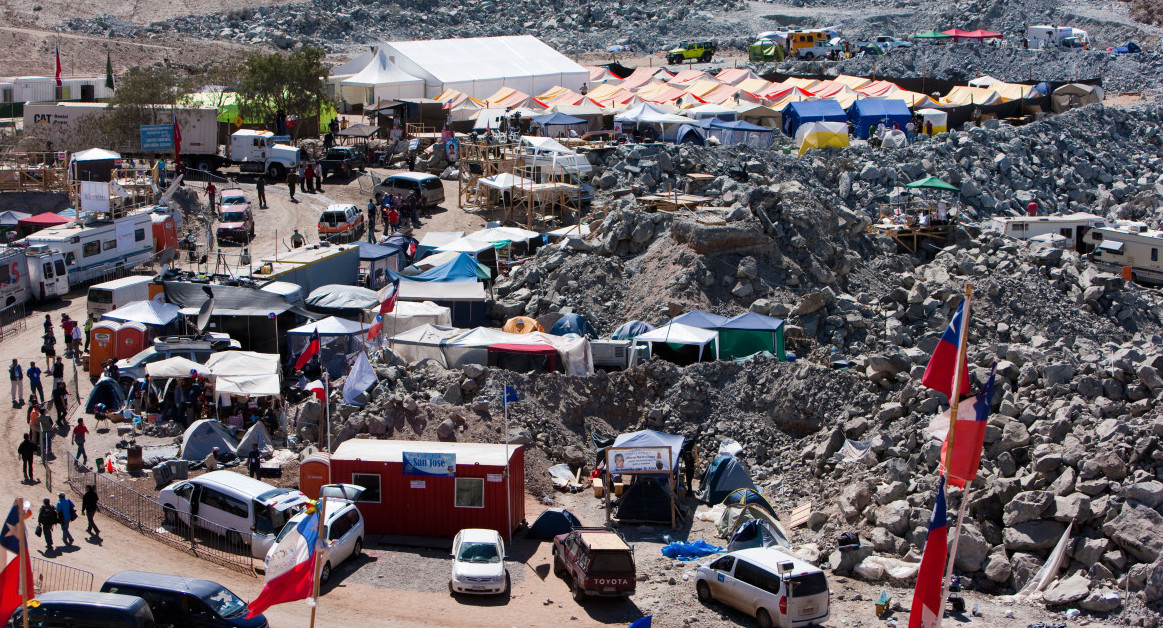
{"x":109,"y":465}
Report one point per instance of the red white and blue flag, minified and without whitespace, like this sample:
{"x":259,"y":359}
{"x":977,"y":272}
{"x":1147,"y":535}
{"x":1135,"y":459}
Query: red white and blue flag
{"x":942,"y":365}
{"x":290,"y":567}
{"x":962,"y":462}
{"x":59,"y":83}
{"x":387,"y":296}
{"x":14,"y":589}
{"x":317,"y":388}
{"x":373,"y":332}
{"x":177,"y":142}
{"x":926,"y":610}
{"x":311,"y":349}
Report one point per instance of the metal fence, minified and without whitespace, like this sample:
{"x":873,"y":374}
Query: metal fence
{"x":51,"y":576}
{"x":12,"y":320}
{"x":189,"y":533}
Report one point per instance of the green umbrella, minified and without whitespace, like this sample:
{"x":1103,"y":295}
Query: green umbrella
{"x":932,"y":35}
{"x":933,"y":183}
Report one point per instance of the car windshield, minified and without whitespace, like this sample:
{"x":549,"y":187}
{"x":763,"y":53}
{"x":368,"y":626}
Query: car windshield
{"x":478,"y":553}
{"x":331,"y":218}
{"x":233,"y":200}
{"x":287,"y":529}
{"x":234,"y":217}
{"x":225,"y":603}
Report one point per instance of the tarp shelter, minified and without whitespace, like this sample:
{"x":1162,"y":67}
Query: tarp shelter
{"x":573,"y":324}
{"x":462,"y":267}
{"x":10,"y":221}
{"x":821,"y":135}
{"x":933,"y":36}
{"x":108,"y":392}
{"x":866,"y":114}
{"x":552,"y":522}
{"x":203,"y":436}
{"x":682,"y":344}
{"x":798,"y":113}
{"x":464,"y":299}
{"x":933,"y":183}
{"x":966,"y":95}
{"x":933,"y":120}
{"x":149,"y":312}
{"x":751,"y":333}
{"x":175,"y":367}
{"x":647,"y":113}
{"x":479,"y":66}
{"x":339,"y":338}
{"x":337,"y":299}
{"x":381,"y":79}
{"x":560,"y":123}
{"x":748,"y":496}
{"x":434,"y":240}
{"x":376,"y":260}
{"x":257,"y":435}
{"x":731,"y":133}
{"x":648,"y":500}
{"x":453,"y":348}
{"x":41,"y":221}
{"x":245,"y":373}
{"x":522,"y":358}
{"x":630,"y":330}
{"x":1074,"y":95}
{"x":242,"y":312}
{"x":1128,"y":48}
{"x":700,"y":319}
{"x":410,"y":315}
{"x":725,"y":474}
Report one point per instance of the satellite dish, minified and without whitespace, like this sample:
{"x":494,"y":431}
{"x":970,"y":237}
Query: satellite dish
{"x":205,"y":311}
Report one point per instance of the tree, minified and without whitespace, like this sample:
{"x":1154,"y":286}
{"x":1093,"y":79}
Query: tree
{"x":144,"y":96}
{"x":223,"y":76}
{"x":293,"y":84}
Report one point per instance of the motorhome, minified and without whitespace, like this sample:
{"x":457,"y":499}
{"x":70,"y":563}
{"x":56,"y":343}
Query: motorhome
{"x":35,"y":273}
{"x":1044,"y":36}
{"x":1129,"y":248}
{"x":1073,"y":227}
{"x":100,"y":248}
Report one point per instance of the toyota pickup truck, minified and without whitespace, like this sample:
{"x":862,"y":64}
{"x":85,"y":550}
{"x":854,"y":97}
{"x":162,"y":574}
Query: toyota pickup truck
{"x":594,"y":562}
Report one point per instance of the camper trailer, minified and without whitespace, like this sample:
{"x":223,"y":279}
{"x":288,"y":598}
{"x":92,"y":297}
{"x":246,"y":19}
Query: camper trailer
{"x":1043,"y":36}
{"x":1128,"y":248}
{"x":36,"y":273}
{"x":100,"y":248}
{"x":1073,"y":227}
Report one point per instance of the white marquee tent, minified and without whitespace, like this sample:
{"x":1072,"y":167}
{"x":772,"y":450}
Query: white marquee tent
{"x":379,"y":80}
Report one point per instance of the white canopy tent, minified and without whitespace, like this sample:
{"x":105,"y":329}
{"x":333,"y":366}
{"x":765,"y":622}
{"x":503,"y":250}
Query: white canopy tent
{"x":381,"y":80}
{"x":175,"y":367}
{"x":680,"y":334}
{"x":408,"y":315}
{"x":453,"y":348}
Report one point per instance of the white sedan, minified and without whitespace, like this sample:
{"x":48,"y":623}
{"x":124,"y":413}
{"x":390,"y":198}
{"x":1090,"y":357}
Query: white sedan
{"x":478,"y":563}
{"x":342,"y":527}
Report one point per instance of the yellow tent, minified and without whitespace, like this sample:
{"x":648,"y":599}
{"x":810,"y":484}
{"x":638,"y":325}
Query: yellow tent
{"x":521,"y":325}
{"x":755,"y":86}
{"x":853,"y":82}
{"x":703,"y":87}
{"x":821,"y":135}
{"x":1014,"y":91}
{"x":965,"y":95}
{"x":604,"y":91}
{"x":802,"y":83}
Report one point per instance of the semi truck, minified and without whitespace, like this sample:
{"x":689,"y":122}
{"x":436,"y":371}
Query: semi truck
{"x":251,"y":151}
{"x":34,"y":273}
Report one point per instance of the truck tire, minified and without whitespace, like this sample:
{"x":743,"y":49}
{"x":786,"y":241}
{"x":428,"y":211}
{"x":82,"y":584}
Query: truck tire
{"x":277,"y":172}
{"x":579,"y":594}
{"x":809,"y":56}
{"x":205,"y":164}
{"x":706,"y":57}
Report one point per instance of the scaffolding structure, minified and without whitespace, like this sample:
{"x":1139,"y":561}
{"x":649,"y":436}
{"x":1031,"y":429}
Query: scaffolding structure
{"x":913,"y":222}
{"x":479,"y":160}
{"x":33,"y":172}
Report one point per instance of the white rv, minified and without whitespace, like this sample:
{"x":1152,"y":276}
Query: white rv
{"x":34,"y":273}
{"x":1129,"y":245}
{"x":1073,"y":227}
{"x":100,"y":248}
{"x":1045,"y":36}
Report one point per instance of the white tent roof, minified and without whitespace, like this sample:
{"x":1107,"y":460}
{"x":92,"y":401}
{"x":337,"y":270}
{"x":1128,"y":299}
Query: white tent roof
{"x":586,"y":108}
{"x":330,"y":326}
{"x":381,"y":71}
{"x":467,"y":244}
{"x":646,"y":112}
{"x":145,"y":312}
{"x":442,"y":291}
{"x":256,"y":385}
{"x":428,"y":334}
{"x":491,"y":118}
{"x":239,"y":363}
{"x":547,"y":144}
{"x":677,"y":333}
{"x":433,"y":239}
{"x":95,"y":154}
{"x":500,"y":234}
{"x":176,"y":366}
{"x":984,"y":81}
{"x":353,"y":66}
{"x":503,"y":181}
{"x":710,"y":110}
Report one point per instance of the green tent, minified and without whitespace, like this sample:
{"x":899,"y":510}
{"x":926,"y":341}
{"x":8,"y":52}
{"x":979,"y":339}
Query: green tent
{"x":933,"y":183}
{"x":765,"y":50}
{"x":751,"y":333}
{"x":932,"y":35}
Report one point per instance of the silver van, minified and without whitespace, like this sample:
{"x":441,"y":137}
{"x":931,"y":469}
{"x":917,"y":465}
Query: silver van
{"x":768,"y":584}
{"x":428,"y":187}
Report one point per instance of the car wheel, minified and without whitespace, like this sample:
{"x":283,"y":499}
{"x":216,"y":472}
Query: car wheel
{"x":706,"y":57}
{"x":558,"y":567}
{"x":810,"y":56}
{"x":579,"y":594}
{"x":357,"y":549}
{"x":450,"y":589}
{"x":704,"y":592}
{"x":508,"y":584}
{"x":763,"y":618}
{"x":170,"y":516}
{"x":325,"y":573}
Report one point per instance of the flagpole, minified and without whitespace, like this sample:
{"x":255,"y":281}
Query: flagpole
{"x":954,"y":402}
{"x":22,"y":558}
{"x":318,"y":567}
{"x":508,"y":493}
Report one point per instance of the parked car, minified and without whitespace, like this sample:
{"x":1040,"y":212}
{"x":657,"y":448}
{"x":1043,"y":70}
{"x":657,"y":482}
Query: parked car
{"x":184,"y":602}
{"x":886,"y":43}
{"x":341,"y":223}
{"x":478,"y":563}
{"x":235,"y":220}
{"x":595,"y":562}
{"x":84,"y":608}
{"x":766,"y":583}
{"x":244,"y":510}
{"x":342,"y":526}
{"x":429,"y":187}
{"x":342,"y":161}
{"x":687,"y":50}
{"x":198,"y":350}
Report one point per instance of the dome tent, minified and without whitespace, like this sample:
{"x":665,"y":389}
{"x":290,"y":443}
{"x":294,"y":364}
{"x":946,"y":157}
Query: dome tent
{"x":724,"y":475}
{"x":573,"y":324}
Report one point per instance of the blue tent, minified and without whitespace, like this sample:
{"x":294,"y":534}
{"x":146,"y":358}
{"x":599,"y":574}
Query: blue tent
{"x":573,"y":324}
{"x":702,"y":320}
{"x":798,"y":113}
{"x":552,"y":522}
{"x":108,"y":392}
{"x":724,"y":475}
{"x":557,"y":119}
{"x":405,"y":244}
{"x":866,"y":114}
{"x":689,"y":134}
{"x":629,"y":330}
{"x":463,"y":268}
{"x":749,"y":496}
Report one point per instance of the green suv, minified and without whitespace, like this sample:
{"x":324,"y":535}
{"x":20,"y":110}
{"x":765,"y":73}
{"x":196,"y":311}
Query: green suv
{"x":701,"y":50}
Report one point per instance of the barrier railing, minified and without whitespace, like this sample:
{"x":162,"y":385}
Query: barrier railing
{"x":183,"y":531}
{"x":52,"y":576}
{"x":12,"y":320}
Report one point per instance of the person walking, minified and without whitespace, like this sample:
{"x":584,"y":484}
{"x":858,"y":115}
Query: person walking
{"x":211,"y":191}
{"x":79,"y":434}
{"x":34,"y":385}
{"x":89,"y":507}
{"x":303,"y":179}
{"x":296,"y":239}
{"x":16,"y":375}
{"x":48,"y":323}
{"x":60,"y":401}
{"x":393,"y":219}
{"x":46,"y":429}
{"x":26,"y":450}
{"x":260,"y":187}
{"x":318,"y":178}
{"x":371,"y":222}
{"x":76,"y":338}
{"x":46,"y":519}
{"x":89,"y":322}
{"x":49,"y":349}
{"x":253,"y":461}
{"x":58,"y":371}
{"x":414,"y":209}
{"x":292,"y":180}
{"x":66,"y":514}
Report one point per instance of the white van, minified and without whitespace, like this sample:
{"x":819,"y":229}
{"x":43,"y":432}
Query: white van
{"x":243,"y":509}
{"x":428,"y":187}
{"x":110,"y":295}
{"x":766,"y":583}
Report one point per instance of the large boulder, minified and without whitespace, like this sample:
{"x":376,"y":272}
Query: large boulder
{"x":972,"y":550}
{"x":1071,"y":589}
{"x":1027,"y":506}
{"x":997,"y":566}
{"x":1149,"y":494}
{"x":1137,"y":531}
{"x":1033,"y":535}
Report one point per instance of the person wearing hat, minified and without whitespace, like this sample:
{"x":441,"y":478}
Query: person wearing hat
{"x":66,"y":513}
{"x":45,"y":520}
{"x":211,"y":460}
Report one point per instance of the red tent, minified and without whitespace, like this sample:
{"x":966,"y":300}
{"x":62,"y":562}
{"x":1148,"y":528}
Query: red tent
{"x":983,"y":34}
{"x":35,"y":223}
{"x":957,"y":32}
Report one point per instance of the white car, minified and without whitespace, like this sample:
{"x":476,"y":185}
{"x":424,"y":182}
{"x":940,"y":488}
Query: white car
{"x":766,"y":583}
{"x":342,"y":526}
{"x":478,"y":563}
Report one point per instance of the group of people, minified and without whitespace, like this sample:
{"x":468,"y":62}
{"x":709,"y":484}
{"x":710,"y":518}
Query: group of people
{"x":63,"y":513}
{"x":390,"y":209}
{"x":74,"y":336}
{"x":309,"y":178}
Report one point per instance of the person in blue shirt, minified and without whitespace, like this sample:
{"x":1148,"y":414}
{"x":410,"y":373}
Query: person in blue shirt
{"x":66,"y":512}
{"x":16,"y":374}
{"x":34,"y":386}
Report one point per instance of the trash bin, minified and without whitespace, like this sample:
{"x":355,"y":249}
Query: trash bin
{"x":133,"y":463}
{"x":100,"y":465}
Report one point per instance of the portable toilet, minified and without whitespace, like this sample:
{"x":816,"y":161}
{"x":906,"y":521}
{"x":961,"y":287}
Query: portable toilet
{"x":132,"y":339}
{"x":165,"y":236}
{"x":314,"y":472}
{"x":102,"y":345}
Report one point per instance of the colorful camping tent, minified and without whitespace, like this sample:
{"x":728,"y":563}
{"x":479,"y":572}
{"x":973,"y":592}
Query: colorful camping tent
{"x":798,"y":113}
{"x":682,"y":344}
{"x":724,"y":475}
{"x":934,"y":36}
{"x":750,"y":333}
{"x":866,"y":114}
{"x":933,"y":119}
{"x":821,"y":135}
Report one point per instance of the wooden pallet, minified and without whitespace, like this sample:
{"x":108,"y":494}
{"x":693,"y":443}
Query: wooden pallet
{"x":799,"y":515}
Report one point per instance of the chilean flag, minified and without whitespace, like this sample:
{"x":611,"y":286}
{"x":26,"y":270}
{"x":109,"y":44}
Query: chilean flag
{"x":940,"y":371}
{"x":318,"y":389}
{"x":962,"y":463}
{"x":926,"y":611}
{"x":59,"y":83}
{"x":388,"y":296}
{"x":373,"y":332}
{"x":290,"y":567}
{"x":11,"y":582}
{"x":177,"y":142}
{"x":311,"y":349}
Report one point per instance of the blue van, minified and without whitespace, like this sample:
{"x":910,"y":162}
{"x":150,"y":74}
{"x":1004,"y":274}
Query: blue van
{"x":66,"y":609}
{"x":185,"y":602}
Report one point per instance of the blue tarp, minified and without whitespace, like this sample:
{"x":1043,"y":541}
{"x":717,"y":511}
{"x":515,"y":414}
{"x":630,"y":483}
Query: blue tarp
{"x":369,"y":251}
{"x":629,"y":330}
{"x":798,"y":113}
{"x":401,"y":243}
{"x":1128,"y":48}
{"x":866,"y":114}
{"x":463,"y":268}
{"x":700,"y":319}
{"x":690,"y":551}
{"x":689,"y":134}
{"x":573,"y":324}
{"x":557,"y":119}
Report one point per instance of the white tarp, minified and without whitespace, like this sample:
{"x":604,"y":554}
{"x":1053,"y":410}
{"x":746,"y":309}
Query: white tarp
{"x":422,"y":342}
{"x":1049,"y":571}
{"x":359,"y":379}
{"x":239,"y":363}
{"x":176,"y":366}
{"x":453,"y":348}
{"x":95,"y":197}
{"x":678,"y":333}
{"x":252,"y":385}
{"x":650,"y":114}
{"x":409,"y":315}
{"x":144,"y":312}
